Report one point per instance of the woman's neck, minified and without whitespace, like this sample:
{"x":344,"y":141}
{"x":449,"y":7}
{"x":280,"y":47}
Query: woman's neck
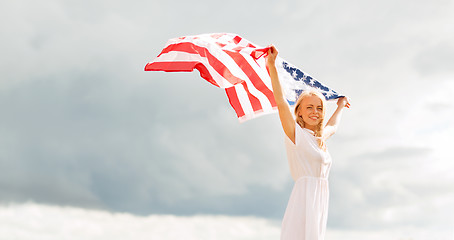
{"x":312,"y":128}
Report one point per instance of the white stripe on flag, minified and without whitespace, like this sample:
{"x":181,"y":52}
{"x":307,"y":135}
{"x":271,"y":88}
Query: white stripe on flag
{"x":244,"y":100}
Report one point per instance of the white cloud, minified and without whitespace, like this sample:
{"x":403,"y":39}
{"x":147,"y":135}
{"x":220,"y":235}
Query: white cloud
{"x":31,"y":221}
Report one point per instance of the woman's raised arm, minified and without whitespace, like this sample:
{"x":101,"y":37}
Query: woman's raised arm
{"x":285,"y":115}
{"x":333,"y":122}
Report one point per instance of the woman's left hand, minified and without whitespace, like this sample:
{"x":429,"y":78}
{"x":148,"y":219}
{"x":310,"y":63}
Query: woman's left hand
{"x":271,"y":55}
{"x":343,"y":102}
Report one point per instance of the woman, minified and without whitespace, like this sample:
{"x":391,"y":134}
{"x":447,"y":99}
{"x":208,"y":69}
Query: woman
{"x":307,"y":210}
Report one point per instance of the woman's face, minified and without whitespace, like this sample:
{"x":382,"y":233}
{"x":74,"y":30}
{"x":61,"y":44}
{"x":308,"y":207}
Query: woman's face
{"x":311,"y":110}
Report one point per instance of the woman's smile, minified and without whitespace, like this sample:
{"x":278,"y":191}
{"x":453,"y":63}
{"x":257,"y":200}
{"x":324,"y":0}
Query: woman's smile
{"x":314,"y":117}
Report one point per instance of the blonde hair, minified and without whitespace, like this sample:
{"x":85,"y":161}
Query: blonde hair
{"x":319,"y":128}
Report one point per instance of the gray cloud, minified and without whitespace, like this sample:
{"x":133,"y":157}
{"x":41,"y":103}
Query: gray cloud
{"x":385,"y":190}
{"x":96,"y":143}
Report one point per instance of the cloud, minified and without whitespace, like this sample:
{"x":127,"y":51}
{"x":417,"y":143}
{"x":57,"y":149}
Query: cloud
{"x":35,"y":221}
{"x":122,"y":149}
{"x":399,"y":169}
{"x":436,"y":59}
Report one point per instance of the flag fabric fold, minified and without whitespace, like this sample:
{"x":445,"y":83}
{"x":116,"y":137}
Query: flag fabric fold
{"x":233,"y":63}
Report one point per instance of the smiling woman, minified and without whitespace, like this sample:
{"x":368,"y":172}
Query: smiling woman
{"x":307,"y":211}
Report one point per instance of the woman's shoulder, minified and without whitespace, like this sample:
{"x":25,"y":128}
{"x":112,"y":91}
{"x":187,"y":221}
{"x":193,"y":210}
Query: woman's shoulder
{"x":303,"y":130}
{"x":303,"y":134}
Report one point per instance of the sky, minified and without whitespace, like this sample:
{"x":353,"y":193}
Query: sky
{"x":86,"y":134}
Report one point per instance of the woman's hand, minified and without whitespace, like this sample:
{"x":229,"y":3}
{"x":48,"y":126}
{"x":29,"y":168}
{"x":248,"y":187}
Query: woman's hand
{"x":271,"y":56}
{"x":343,"y":102}
{"x":333,"y":122}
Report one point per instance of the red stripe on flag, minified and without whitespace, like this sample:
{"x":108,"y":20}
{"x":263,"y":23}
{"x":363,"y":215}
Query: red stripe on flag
{"x":181,"y":67}
{"x":255,"y":102}
{"x":252,"y":75}
{"x":234,"y":101}
{"x":171,"y":66}
{"x":237,"y":39}
{"x":213,"y":61}
{"x":257,"y":53}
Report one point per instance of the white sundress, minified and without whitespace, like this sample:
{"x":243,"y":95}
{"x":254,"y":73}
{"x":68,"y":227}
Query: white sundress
{"x":307,"y":209}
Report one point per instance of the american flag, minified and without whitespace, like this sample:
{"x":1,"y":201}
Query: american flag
{"x":233,"y":63}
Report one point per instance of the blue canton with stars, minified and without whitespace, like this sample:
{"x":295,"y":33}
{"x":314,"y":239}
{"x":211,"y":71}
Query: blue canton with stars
{"x":310,"y":82}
